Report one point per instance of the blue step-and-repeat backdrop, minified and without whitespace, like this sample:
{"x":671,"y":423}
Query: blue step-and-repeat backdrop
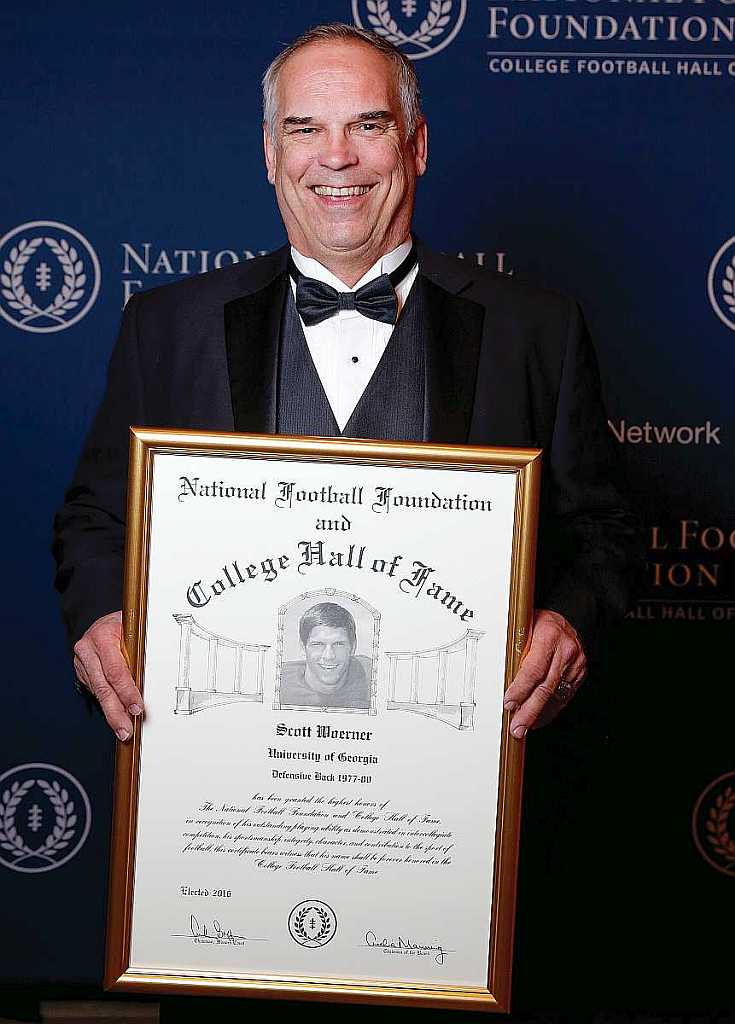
{"x":586,"y":144}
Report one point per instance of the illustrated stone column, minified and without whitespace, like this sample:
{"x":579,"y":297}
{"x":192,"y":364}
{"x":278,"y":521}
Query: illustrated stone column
{"x":212,"y":645}
{"x":183,"y":690}
{"x":467,"y":705}
{"x":261,"y":670}
{"x":392,"y":673}
{"x":239,"y":665}
{"x":441,"y":690}
{"x":414,"y":679}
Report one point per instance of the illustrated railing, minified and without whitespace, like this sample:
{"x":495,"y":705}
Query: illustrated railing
{"x":215,"y":669}
{"x":438,"y":682}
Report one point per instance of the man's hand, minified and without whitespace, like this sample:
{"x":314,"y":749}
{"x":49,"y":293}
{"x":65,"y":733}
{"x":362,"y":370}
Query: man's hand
{"x":101,"y":667}
{"x":550,"y":673}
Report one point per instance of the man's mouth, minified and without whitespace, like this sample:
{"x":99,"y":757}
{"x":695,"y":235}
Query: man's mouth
{"x":341,"y":193}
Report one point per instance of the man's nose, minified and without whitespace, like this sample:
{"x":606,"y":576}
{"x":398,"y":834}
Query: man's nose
{"x":328,"y":653}
{"x":337,"y":151}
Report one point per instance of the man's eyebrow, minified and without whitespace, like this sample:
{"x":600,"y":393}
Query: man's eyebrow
{"x":375,"y":115}
{"x":366,"y":115}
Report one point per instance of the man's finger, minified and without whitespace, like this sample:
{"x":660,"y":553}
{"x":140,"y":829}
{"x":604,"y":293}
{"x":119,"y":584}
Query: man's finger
{"x":106,"y":697}
{"x":81,"y":672}
{"x":118,"y":676}
{"x":577,"y":670}
{"x":534,"y":669}
{"x":549,"y":644}
{"x":530,"y":710}
{"x":101,"y":645}
{"x":550,"y":697}
{"x":573,"y":675}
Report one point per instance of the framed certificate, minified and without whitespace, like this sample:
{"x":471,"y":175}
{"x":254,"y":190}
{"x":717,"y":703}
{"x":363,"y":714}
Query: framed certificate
{"x":323,"y":799}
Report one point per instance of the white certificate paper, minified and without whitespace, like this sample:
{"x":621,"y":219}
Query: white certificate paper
{"x":326,"y":649}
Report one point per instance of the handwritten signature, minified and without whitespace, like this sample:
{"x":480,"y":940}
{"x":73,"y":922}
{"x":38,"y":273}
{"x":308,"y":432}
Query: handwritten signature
{"x":399,"y":944}
{"x":214,"y":933}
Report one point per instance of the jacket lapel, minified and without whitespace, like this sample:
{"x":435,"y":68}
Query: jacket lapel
{"x":454,"y":338}
{"x":252,"y":333}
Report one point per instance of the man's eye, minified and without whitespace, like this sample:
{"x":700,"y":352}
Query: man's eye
{"x":369,"y":126}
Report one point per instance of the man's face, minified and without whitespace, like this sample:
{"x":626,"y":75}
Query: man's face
{"x":344,"y":171}
{"x":328,"y":653}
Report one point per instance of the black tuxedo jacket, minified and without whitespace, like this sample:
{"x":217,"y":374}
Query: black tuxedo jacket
{"x":507,"y":364}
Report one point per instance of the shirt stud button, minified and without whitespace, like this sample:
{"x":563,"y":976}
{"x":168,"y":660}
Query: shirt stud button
{"x":355,"y":359}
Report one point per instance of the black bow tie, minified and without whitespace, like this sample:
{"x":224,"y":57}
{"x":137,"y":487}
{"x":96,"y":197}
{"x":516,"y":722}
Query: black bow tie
{"x":317,"y":301}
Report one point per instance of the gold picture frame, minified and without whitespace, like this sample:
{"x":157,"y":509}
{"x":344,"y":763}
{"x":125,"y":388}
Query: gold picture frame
{"x":155,"y":457}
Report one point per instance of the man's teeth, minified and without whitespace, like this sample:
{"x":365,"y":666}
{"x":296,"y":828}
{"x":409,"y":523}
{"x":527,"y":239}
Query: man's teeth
{"x":341,"y":193}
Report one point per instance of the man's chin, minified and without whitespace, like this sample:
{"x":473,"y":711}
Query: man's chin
{"x":342,"y":243}
{"x":333,"y":682}
{"x":340,"y":234}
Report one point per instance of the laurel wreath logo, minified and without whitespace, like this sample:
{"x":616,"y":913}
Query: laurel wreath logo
{"x":306,"y":937}
{"x":718,"y":833}
{"x":15,"y":292}
{"x":60,"y":836}
{"x":728,"y":285}
{"x":433,"y":25}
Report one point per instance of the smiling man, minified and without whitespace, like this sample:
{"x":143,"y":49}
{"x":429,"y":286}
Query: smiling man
{"x":330,"y":676}
{"x":342,"y":153}
{"x":357,"y":329}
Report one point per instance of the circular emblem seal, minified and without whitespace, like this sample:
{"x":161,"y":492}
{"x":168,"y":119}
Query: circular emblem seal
{"x":419,"y":29}
{"x":45,"y":817}
{"x":721,"y":283}
{"x":312,"y":923}
{"x":50,"y":276}
{"x":713,"y":824}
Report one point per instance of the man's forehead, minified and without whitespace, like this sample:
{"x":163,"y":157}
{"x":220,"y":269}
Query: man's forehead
{"x":346,"y":76}
{"x":328,"y":633}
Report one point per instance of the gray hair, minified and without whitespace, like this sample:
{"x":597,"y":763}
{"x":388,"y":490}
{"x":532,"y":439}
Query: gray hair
{"x":409,"y":94}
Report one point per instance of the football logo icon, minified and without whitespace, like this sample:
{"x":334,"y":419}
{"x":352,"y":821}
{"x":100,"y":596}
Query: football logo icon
{"x":49,"y":276}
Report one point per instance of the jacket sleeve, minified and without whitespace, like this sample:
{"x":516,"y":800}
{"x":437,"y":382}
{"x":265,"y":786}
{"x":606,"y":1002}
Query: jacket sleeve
{"x":590,"y":543}
{"x":89,"y":528}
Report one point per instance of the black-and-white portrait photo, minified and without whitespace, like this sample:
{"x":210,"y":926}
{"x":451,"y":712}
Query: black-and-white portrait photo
{"x":327,"y":655}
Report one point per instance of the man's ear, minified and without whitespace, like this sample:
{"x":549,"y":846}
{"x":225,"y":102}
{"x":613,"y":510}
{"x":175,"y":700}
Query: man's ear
{"x":420,"y":143}
{"x":270,"y":154}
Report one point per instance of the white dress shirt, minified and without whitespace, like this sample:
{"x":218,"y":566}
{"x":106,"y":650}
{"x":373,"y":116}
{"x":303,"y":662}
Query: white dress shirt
{"x":348,"y":346}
